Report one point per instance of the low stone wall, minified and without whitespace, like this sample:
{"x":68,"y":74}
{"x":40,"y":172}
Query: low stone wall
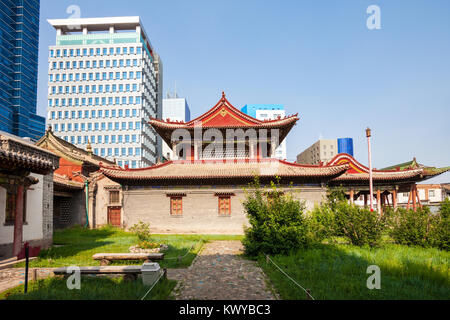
{"x":200,"y":209}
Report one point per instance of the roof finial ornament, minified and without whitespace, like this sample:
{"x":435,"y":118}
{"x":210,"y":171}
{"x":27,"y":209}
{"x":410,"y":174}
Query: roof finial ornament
{"x":89,"y":147}
{"x":223,"y":94}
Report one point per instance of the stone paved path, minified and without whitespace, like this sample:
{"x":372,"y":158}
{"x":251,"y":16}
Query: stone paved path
{"x":219,"y":273}
{"x":12,"y":277}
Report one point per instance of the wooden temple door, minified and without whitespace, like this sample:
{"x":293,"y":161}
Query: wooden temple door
{"x":114,"y":216}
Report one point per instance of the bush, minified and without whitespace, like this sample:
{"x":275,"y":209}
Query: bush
{"x":322,"y":223}
{"x":421,"y":227}
{"x":276,"y":222}
{"x":360,"y":225}
{"x":142,"y":231}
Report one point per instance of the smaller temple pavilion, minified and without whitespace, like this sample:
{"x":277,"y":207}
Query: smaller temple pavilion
{"x":387,"y":182}
{"x":76,"y":196}
{"x":26,"y":191}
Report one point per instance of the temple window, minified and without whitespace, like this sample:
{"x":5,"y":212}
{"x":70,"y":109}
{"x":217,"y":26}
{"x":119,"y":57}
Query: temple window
{"x":224,"y":205}
{"x":114,"y":196}
{"x":176,"y":205}
{"x":10,"y":210}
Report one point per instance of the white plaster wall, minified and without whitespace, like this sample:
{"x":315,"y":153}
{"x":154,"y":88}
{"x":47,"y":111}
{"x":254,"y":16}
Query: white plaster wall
{"x":32,"y":230}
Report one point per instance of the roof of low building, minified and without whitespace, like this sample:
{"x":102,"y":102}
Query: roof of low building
{"x":224,"y":169}
{"x":407,"y":171}
{"x":18,"y":154}
{"x":66,"y":149}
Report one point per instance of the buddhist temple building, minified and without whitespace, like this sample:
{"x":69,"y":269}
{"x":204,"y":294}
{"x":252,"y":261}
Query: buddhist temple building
{"x":218,"y":154}
{"x":77,"y":196}
{"x":202,"y":191}
{"x":26,"y":195}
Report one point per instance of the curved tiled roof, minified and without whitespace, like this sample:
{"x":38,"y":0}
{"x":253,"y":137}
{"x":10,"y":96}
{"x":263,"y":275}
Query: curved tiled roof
{"x":382,"y":176}
{"x":209,"y":169}
{"x":224,"y":107}
{"x":16,"y":152}
{"x":71,"y":150}
{"x":65,"y":182}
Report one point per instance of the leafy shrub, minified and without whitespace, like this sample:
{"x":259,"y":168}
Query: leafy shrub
{"x":445,"y":208}
{"x":360,"y":225}
{"x":421,"y":227}
{"x":322,"y":223}
{"x":277,"y":224}
{"x":142,"y":231}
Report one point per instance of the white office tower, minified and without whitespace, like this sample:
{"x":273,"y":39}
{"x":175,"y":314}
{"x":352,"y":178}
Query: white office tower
{"x":105,"y":83}
{"x":175,"y":109}
{"x":268,"y":112}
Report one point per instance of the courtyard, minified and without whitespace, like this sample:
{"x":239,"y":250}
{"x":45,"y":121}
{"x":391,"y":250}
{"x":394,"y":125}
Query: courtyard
{"x":214,"y":267}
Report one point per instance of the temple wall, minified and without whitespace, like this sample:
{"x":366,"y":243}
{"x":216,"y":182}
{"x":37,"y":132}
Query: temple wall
{"x":37,"y":229}
{"x":200,"y":209}
{"x":104,"y":186}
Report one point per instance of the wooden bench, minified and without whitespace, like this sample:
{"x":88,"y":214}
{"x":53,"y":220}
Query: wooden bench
{"x":106,"y":258}
{"x":130,"y":272}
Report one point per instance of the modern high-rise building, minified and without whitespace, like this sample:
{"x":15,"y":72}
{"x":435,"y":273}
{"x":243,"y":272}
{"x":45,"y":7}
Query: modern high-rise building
{"x":268,"y":112}
{"x":105,"y":83}
{"x":19,"y":43}
{"x":174,"y":109}
{"x":324,"y":150}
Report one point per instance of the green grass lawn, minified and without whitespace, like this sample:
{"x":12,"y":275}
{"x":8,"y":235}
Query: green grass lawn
{"x":338,"y":271}
{"x":91,"y":288}
{"x":76,"y":246}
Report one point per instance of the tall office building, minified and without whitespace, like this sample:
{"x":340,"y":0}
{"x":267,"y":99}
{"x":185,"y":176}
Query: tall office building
{"x":19,"y":42}
{"x":105,"y":83}
{"x":175,"y":109}
{"x":324,"y":150}
{"x":268,"y":112}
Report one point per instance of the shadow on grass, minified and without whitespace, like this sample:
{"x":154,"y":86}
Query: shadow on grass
{"x":340,"y":272}
{"x":92,"y":288}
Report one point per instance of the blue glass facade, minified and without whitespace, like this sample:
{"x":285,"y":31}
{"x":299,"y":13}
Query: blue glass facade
{"x":345,"y":145}
{"x":19,"y":44}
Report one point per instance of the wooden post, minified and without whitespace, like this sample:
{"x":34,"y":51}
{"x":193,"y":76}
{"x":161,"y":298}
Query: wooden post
{"x":18,"y":221}
{"x":414,"y":197}
{"x":418,"y":196}
{"x":365,"y":200}
{"x":394,"y":199}
{"x":409,"y":197}
{"x":352,"y":192}
{"x":379,"y":206}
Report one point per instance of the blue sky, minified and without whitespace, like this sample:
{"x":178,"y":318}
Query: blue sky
{"x":316,"y":57}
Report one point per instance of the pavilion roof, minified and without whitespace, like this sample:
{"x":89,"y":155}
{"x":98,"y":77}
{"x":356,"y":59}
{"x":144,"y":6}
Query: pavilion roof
{"x":65,"y":182}
{"x":18,"y":154}
{"x":224,"y":116}
{"x":67,"y":150}
{"x":413,"y":164}
{"x":202,"y":170}
{"x":405,"y":172}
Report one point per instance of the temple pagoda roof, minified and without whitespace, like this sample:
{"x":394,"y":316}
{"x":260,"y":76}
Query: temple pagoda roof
{"x":65,"y":182}
{"x":224,"y":116}
{"x":67,"y":150}
{"x":406,"y":172}
{"x":413,"y":164}
{"x":203,"y":170}
{"x":18,"y":154}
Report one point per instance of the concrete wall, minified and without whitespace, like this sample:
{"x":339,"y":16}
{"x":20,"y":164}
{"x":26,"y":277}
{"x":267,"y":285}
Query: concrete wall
{"x":200,"y":209}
